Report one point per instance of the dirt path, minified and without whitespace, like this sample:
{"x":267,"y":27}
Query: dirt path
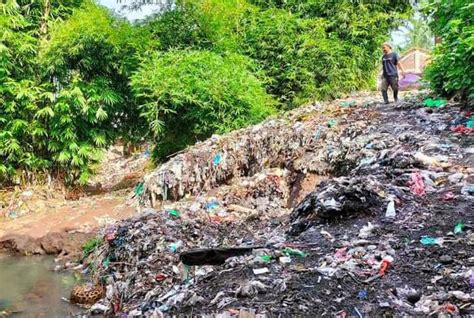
{"x":62,"y":226}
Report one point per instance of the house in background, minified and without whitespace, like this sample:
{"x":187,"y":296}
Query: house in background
{"x":414,"y":60}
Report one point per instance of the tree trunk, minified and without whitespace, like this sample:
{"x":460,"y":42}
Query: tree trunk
{"x":45,"y":17}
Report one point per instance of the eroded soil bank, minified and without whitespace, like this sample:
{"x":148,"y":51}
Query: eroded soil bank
{"x":43,"y":220}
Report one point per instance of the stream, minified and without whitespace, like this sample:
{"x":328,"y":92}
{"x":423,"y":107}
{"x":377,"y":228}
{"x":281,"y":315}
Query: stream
{"x":30,"y":288}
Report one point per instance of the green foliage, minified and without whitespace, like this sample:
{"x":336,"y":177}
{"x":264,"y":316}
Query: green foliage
{"x":90,"y":246}
{"x":74,"y":77}
{"x":190,"y":95}
{"x":176,"y":29}
{"x":451,"y":71}
{"x":335,"y":43}
{"x":307,"y":50}
{"x":419,"y":34}
{"x":66,"y":99}
{"x":301,"y":60}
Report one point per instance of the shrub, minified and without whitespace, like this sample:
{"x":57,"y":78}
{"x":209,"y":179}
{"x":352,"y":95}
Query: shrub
{"x":61,"y":109}
{"x":451,"y":71}
{"x":188,"y":95}
{"x":302,"y":62}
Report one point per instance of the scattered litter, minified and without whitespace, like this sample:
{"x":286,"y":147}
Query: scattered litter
{"x":285,"y":260}
{"x":390,"y":213}
{"x":236,"y":243}
{"x":293,"y":252}
{"x":435,"y":103}
{"x":259,"y":271}
{"x":362,"y":294}
{"x":417,"y":185}
{"x":458,"y":228}
{"x":428,"y":240}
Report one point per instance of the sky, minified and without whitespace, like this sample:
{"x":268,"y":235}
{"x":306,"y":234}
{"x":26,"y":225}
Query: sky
{"x":145,"y":10}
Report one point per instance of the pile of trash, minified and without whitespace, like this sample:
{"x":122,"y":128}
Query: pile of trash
{"x":274,"y":143}
{"x":390,"y":230}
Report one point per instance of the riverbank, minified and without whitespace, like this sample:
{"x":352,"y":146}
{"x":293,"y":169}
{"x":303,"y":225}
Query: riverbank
{"x":40,"y":220}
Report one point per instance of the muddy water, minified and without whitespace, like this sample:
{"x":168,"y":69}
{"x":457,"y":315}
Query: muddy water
{"x":29,"y":288}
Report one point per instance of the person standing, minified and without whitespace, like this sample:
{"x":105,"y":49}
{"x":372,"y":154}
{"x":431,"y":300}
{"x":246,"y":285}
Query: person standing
{"x":390,"y":65}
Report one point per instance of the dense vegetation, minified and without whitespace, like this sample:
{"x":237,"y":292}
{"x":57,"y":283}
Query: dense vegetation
{"x":74,"y":78}
{"x":452,"y":69}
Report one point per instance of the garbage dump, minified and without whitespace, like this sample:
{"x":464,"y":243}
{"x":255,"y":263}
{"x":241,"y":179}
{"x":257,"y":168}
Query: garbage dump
{"x":390,"y":231}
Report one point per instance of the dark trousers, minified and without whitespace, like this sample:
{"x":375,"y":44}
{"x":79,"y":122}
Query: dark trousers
{"x":391,"y":81}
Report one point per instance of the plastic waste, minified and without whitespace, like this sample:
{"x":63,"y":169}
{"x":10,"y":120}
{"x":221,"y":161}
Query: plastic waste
{"x":431,"y":161}
{"x":173,"y":247}
{"x":139,"y":188}
{"x":417,"y":186}
{"x":448,"y":196}
{"x":12,"y":214}
{"x":390,"y":213}
{"x":428,"y":240}
{"x":409,"y":80}
{"x":471,"y":281}
{"x":458,"y":228}
{"x":385,"y":264}
{"x":346,"y":104}
{"x":285,"y":260}
{"x":468,"y":189}
{"x":359,"y":314}
{"x":212,"y":205}
{"x":362,"y":294}
{"x":174,"y":213}
{"x":434,"y":103}
{"x":332,"y":123}
{"x":366,"y":231}
{"x":462,"y":129}
{"x":293,"y":252}
{"x":341,"y":314}
{"x":259,"y":271}
{"x":217,"y":159}
{"x":266,"y":258}
{"x":449,"y":308}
